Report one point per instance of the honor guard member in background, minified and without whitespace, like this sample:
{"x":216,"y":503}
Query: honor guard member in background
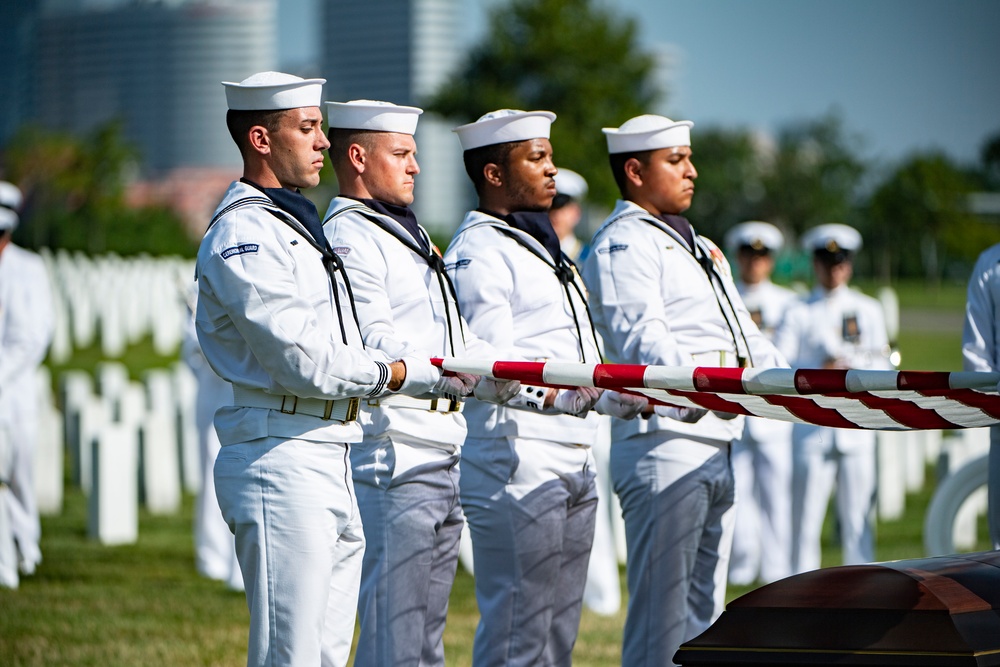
{"x":527,"y":470}
{"x":276,"y":319}
{"x":602,"y":594}
{"x":981,"y":352}
{"x":762,"y":458}
{"x":833,"y":327}
{"x":406,"y":471}
{"x":567,"y":212}
{"x":26,"y":325}
{"x":661,"y":294}
{"x":214,"y":546}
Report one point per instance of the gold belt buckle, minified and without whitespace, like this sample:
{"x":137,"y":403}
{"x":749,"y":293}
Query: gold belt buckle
{"x":453,"y":406}
{"x":291,"y":410}
{"x":353,"y":406}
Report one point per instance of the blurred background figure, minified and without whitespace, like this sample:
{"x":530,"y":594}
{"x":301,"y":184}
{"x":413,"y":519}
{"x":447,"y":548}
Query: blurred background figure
{"x":567,"y":212}
{"x":981,"y":352}
{"x":835,"y":326}
{"x":26,"y":326}
{"x":762,"y":458}
{"x":214,"y":543}
{"x":602,"y":594}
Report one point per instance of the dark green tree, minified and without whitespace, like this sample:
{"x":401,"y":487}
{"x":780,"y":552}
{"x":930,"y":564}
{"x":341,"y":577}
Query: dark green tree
{"x":729,"y":188}
{"x":75,"y":192}
{"x":920,"y":220}
{"x":573,"y":57}
{"x":813,"y":176}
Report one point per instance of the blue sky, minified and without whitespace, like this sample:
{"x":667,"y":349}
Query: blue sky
{"x":905,"y":75}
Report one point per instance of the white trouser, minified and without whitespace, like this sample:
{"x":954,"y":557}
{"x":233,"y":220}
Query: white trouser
{"x":820,"y":465}
{"x":214,"y":544}
{"x":762,"y":467}
{"x":300,"y":546}
{"x":25,"y":523}
{"x":603,"y":594}
{"x":8,"y":552}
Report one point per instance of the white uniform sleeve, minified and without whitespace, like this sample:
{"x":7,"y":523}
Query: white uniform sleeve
{"x":258,"y":292}
{"x":979,"y":335}
{"x":29,"y":318}
{"x":628,"y":287}
{"x":788,"y":334}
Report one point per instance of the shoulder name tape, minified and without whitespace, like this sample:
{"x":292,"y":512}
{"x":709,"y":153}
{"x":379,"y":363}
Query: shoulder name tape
{"x":240,"y":249}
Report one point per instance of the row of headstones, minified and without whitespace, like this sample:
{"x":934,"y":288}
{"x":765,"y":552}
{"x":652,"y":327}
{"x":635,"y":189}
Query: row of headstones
{"x":116,"y":302}
{"x":903,"y":458}
{"x":130,"y":443}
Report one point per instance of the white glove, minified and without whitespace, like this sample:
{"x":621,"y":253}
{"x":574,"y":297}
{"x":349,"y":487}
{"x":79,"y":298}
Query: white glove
{"x":421,"y":377}
{"x":686,"y":415}
{"x":496,"y":391}
{"x":623,"y":406}
{"x":457,"y":386}
{"x":577,"y":401}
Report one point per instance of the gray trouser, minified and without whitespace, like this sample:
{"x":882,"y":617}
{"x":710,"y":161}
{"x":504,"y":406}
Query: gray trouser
{"x":531,"y":506}
{"x":677,"y":496}
{"x":412,"y":523}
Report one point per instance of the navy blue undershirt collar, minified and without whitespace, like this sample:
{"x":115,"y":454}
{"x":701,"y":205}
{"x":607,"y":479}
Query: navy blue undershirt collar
{"x":294,"y":203}
{"x":404,"y":215}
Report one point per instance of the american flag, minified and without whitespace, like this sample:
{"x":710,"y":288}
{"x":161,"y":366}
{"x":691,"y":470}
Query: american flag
{"x":879,"y":400}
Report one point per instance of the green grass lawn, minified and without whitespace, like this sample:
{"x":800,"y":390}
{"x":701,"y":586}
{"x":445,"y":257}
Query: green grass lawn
{"x":145,"y":605}
{"x":90,"y":605}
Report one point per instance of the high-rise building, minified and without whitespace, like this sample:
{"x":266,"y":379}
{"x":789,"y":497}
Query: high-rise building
{"x":155,"y":67}
{"x":400,"y":51}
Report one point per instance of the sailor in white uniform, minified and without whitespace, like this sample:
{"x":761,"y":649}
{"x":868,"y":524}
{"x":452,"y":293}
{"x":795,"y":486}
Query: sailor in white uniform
{"x":762,"y":458}
{"x":661,"y":294}
{"x":527,"y":469}
{"x":214,"y":546}
{"x":26,"y":326}
{"x":981,"y":352}
{"x":406,"y":471}
{"x":835,"y":326}
{"x":275,"y":318}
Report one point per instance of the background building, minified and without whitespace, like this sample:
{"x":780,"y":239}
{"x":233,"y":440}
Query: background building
{"x":401,"y":53}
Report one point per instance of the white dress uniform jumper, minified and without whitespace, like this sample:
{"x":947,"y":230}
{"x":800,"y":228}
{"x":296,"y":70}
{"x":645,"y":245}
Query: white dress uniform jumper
{"x":657,"y":300}
{"x":406,"y":470}
{"x":527,"y":478}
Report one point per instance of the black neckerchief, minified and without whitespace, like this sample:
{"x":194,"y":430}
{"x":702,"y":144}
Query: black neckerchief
{"x":402,"y":214}
{"x":535,"y":224}
{"x":295,"y":204}
{"x":680,"y":225}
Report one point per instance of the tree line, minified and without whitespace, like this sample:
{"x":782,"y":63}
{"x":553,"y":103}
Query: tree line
{"x":583,"y":61}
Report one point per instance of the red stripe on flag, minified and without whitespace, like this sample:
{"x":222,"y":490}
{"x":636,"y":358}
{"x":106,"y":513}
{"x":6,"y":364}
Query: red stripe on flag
{"x":806,"y":410}
{"x":988,"y":403}
{"x":712,"y":402}
{"x":820,"y":381}
{"x":525,"y":371}
{"x":922,"y":380}
{"x":906,"y":413}
{"x":613,"y":376}
{"x":719,"y":380}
